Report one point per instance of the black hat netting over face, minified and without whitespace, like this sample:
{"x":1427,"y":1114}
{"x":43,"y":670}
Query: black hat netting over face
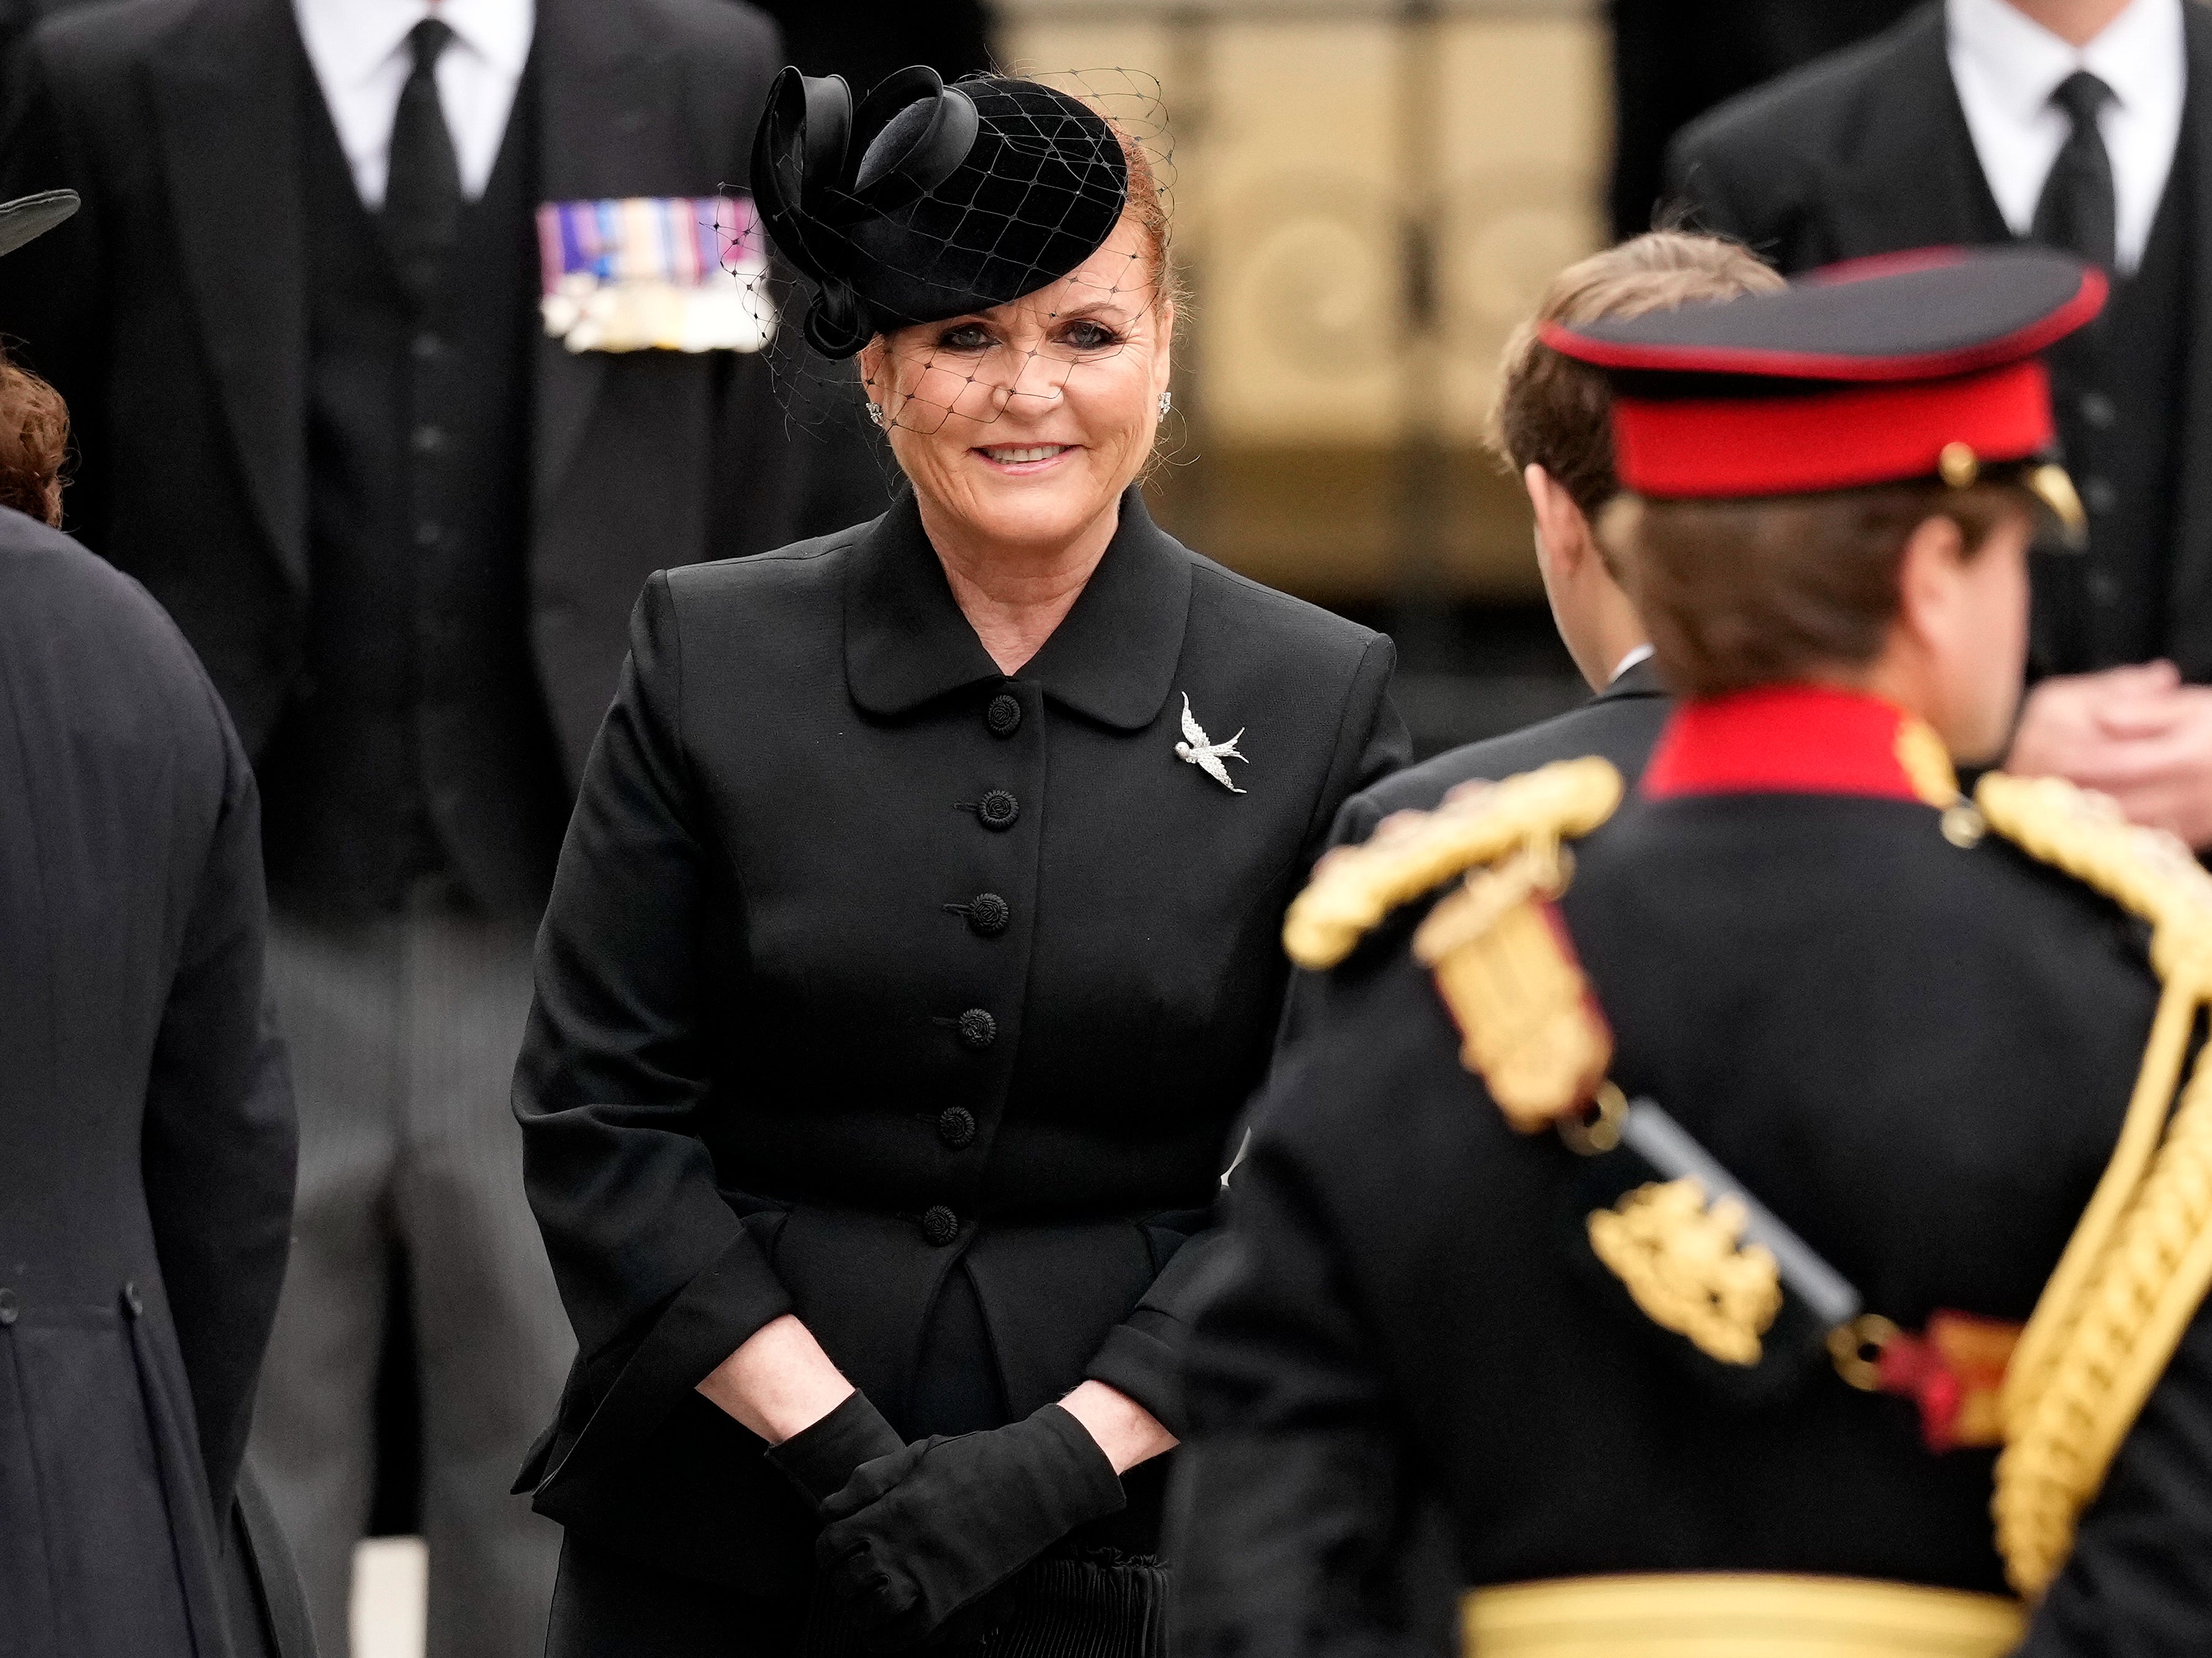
{"x":929,"y":203}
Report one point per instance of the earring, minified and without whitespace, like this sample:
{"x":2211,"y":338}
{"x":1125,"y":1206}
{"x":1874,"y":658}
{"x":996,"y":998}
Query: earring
{"x":1167,"y":401}
{"x":875,"y":414}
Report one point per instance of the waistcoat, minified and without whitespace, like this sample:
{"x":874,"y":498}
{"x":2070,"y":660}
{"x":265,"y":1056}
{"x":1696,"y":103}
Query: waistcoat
{"x":418,"y":742}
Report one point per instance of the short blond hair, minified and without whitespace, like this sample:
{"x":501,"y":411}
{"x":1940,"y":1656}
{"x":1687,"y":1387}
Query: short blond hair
{"x":1554,"y":412}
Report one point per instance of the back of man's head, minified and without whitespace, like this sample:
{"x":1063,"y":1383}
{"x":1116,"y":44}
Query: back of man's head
{"x":1555,"y":413}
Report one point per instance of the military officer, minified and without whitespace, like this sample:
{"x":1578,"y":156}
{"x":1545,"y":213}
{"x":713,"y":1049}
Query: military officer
{"x":1667,"y":1208}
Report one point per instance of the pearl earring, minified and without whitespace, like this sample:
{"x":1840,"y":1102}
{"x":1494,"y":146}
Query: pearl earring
{"x":1167,"y":401}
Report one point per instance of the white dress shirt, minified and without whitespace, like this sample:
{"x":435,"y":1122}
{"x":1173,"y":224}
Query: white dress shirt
{"x":359,"y":52}
{"x":2006,"y":66}
{"x":1640,"y":653}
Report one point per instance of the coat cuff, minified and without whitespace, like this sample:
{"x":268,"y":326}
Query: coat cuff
{"x":1143,"y":1358}
{"x":710,"y":1318}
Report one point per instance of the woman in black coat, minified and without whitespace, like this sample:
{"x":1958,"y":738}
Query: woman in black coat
{"x":146,"y":1127}
{"x":914,"y":945}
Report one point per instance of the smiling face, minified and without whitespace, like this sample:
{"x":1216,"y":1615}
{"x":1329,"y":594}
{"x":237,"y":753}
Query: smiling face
{"x":1022,"y":424}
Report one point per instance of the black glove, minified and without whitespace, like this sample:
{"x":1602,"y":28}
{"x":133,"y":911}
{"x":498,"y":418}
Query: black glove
{"x":918,"y":1535}
{"x":821,"y":1460}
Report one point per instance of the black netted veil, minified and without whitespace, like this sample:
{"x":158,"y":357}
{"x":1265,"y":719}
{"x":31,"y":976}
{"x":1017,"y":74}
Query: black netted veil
{"x":930,"y":202}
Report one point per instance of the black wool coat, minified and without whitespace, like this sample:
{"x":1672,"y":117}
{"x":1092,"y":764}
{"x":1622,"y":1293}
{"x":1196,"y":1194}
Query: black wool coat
{"x":146,"y":1127}
{"x":1868,"y":152}
{"x":1919,"y":1056}
{"x":913,"y":998}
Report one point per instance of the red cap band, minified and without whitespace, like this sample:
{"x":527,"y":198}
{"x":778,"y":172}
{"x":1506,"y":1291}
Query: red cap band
{"x":1722,"y":447}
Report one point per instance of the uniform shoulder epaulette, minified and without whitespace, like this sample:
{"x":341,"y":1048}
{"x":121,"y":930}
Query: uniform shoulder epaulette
{"x":1412,"y":854}
{"x":1529,"y":1026}
{"x":2140,"y":1260}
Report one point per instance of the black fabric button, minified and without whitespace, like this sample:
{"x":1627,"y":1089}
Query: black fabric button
{"x":940,"y":1225}
{"x":988,"y":914}
{"x":1004,"y":715}
{"x":9,"y":1307}
{"x":429,"y":440}
{"x":2104,"y":587}
{"x":426,"y":535}
{"x":2098,"y":495}
{"x":132,"y":1299}
{"x":956,"y":1126}
{"x":2099,"y":411}
{"x":998,"y":810}
{"x":978,"y":1030}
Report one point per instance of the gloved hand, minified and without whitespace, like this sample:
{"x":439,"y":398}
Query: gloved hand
{"x":822,"y":1459}
{"x":918,"y":1535}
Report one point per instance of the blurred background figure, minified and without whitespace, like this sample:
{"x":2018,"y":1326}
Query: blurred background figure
{"x":2077,"y":124}
{"x":146,"y":1126}
{"x":1674,"y":59}
{"x":320,"y":418}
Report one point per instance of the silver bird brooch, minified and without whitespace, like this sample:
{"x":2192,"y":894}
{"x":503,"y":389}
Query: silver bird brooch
{"x":1195,"y":751}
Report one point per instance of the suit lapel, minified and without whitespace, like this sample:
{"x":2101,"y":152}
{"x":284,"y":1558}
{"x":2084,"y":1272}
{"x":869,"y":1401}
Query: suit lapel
{"x":226,"y":97}
{"x":2189,"y":606}
{"x":607,"y":126}
{"x":1916,"y":182}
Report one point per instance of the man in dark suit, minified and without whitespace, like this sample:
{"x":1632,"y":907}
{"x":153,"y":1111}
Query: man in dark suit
{"x":324,"y":421}
{"x":1549,"y":426}
{"x":2079,"y":123}
{"x":1674,"y":59}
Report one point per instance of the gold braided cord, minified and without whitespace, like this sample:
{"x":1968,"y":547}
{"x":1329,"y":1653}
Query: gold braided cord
{"x":2140,"y":1260}
{"x":1411,"y":854}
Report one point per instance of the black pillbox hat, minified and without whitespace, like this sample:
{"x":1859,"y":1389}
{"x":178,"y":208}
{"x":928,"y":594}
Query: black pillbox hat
{"x":930,"y":201}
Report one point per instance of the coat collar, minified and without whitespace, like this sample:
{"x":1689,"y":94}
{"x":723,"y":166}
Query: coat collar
{"x":1112,"y":659}
{"x":1637,"y":679}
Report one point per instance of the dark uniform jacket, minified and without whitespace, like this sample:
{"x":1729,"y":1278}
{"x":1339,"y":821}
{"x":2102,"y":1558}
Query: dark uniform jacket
{"x":171,"y":312}
{"x":1916,"y":1055}
{"x":1621,"y":723}
{"x":911,"y":997}
{"x":1867,"y":152}
{"x":146,"y":1130}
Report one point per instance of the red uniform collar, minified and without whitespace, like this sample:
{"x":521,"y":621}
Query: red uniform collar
{"x":1799,"y":739}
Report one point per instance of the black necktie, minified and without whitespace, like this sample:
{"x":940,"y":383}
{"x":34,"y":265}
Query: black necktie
{"x":423,"y":193}
{"x":2075,"y":212}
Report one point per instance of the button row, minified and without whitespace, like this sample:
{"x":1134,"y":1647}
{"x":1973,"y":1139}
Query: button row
{"x":1003,"y":714}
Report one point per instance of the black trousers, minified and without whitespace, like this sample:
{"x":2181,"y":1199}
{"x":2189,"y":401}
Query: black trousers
{"x":607,"y":1607}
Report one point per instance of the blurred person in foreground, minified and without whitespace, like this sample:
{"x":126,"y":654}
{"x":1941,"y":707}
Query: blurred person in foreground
{"x":1550,"y":423}
{"x":913,"y":945}
{"x":1666,"y":1204}
{"x":146,"y":1127}
{"x":307,"y":322}
{"x":2078,"y":125}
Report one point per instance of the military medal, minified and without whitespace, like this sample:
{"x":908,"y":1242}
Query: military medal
{"x":654,"y":274}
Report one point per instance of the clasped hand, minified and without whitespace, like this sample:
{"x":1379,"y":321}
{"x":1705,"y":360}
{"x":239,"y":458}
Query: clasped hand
{"x":915,"y":1536}
{"x":2138,"y":734}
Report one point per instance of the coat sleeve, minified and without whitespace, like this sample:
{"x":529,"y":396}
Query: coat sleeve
{"x":219,"y":1142}
{"x":2135,"y":1583}
{"x":660,"y":1279}
{"x":1143,"y":1356}
{"x":1292,"y":1511}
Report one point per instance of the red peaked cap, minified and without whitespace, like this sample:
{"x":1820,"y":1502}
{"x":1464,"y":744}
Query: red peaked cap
{"x":1858,"y":374}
